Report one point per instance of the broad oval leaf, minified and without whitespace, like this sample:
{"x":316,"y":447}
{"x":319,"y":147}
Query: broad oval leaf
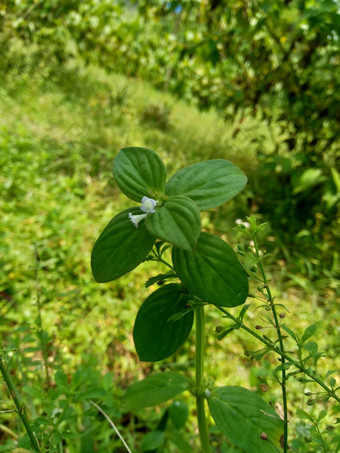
{"x":139,"y":172}
{"x":179,"y":413}
{"x":155,"y":335}
{"x":154,"y":389}
{"x":178,"y":221}
{"x":153,"y":440}
{"x":120,"y":247}
{"x":212,"y":271}
{"x":242,"y":416}
{"x":209,"y":184}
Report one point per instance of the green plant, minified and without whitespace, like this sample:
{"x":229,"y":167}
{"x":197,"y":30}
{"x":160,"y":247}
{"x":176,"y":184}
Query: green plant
{"x":208,"y":270}
{"x":90,"y":355}
{"x":209,"y":273}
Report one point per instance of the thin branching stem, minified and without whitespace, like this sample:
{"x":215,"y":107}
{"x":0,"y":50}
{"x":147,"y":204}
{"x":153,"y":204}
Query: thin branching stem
{"x":299,"y":365}
{"x":158,"y":258}
{"x":112,"y":424}
{"x":19,"y":406}
{"x":279,"y":334}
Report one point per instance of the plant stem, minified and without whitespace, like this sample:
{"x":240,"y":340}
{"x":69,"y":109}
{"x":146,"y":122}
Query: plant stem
{"x":41,"y":332}
{"x":324,"y":449}
{"x":7,"y":430}
{"x":112,"y":424}
{"x":279,"y":334}
{"x":20,"y":407}
{"x":199,"y":368}
{"x":277,"y":350}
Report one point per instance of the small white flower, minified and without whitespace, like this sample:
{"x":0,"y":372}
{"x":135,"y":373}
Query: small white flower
{"x":240,"y":222}
{"x":135,"y":219}
{"x":148,"y":205}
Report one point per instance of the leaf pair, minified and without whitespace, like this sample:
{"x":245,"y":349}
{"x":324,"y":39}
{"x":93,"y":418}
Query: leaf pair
{"x":242,"y":416}
{"x":139,"y":173}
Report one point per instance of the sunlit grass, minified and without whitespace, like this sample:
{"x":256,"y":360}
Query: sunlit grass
{"x":60,"y":131}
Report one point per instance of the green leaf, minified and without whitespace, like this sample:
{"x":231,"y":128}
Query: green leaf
{"x":155,"y":336}
{"x":55,"y":437}
{"x":290,"y":333}
{"x":303,"y":414}
{"x":120,"y":247}
{"x":177,"y":221}
{"x":93,"y":392}
{"x":311,"y":347}
{"x":153,"y":440}
{"x":242,"y":416}
{"x":154,"y":390}
{"x":179,"y":438}
{"x":32,"y":391}
{"x":209,"y":184}
{"x":308,"y":179}
{"x":322,"y":414}
{"x":61,"y":379}
{"x":332,"y":382}
{"x":139,"y":172}
{"x":330,"y":372}
{"x":159,"y":278}
{"x":212,"y":272}
{"x":309,"y":332}
{"x":179,"y":413}
{"x":243,"y":312}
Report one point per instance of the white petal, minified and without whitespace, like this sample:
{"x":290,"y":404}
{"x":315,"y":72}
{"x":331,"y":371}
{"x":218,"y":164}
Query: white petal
{"x":135,"y":219}
{"x":148,"y":204}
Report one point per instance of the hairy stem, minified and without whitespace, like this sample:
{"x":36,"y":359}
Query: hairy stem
{"x":20,"y":407}
{"x":279,"y":334}
{"x":199,"y":368}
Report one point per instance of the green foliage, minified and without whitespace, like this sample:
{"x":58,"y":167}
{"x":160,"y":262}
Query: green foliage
{"x":126,"y":241}
{"x":209,"y":184}
{"x":275,"y":61}
{"x":139,"y":172}
{"x":163,"y":323}
{"x":56,"y":153}
{"x":177,"y":221}
{"x":237,"y":411}
{"x":154,"y":389}
{"x":212,"y":272}
{"x":120,"y":248}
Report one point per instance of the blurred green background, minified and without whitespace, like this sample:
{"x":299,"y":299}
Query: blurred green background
{"x":255,"y":82}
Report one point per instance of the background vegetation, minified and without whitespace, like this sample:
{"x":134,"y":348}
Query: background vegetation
{"x":252,"y":82}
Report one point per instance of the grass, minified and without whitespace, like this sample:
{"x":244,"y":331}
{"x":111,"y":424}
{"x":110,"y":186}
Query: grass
{"x":60,"y":131}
